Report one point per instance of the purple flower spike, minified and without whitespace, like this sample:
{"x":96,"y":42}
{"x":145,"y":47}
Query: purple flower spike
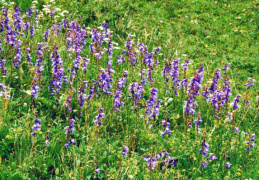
{"x":235,"y":102}
{"x":125,"y":151}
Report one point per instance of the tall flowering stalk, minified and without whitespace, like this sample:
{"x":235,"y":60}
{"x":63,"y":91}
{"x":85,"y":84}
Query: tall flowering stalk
{"x":117,"y":103}
{"x":136,"y":90}
{"x":198,"y":122}
{"x":153,"y":105}
{"x":36,"y":126}
{"x":82,"y":97}
{"x":193,"y":90}
{"x":69,"y":130}
{"x":18,"y":56}
{"x":3,"y":69}
{"x":249,"y":84}
{"x":98,"y":120}
{"x":184,"y":81}
{"x":57,"y":72}
{"x":105,"y":81}
{"x":38,"y":72}
{"x":251,"y":143}
{"x":175,"y":75}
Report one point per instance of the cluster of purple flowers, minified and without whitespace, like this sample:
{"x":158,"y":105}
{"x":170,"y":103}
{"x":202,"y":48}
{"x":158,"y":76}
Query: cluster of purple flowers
{"x":206,"y":162}
{"x":38,"y":72}
{"x":198,"y":122}
{"x":235,"y":102}
{"x":69,"y":130}
{"x":28,"y":56}
{"x":175,"y":75}
{"x":57,"y":71}
{"x":105,"y":81}
{"x":82,"y":96}
{"x":215,"y":80}
{"x":167,"y":131}
{"x":68,"y":102}
{"x":47,"y":139}
{"x":125,"y":151}
{"x":193,"y":91}
{"x":153,"y":104}
{"x":36,"y":126}
{"x":117,"y":103}
{"x":251,"y":142}
{"x":3,"y":90}
{"x":72,"y":141}
{"x":205,"y":148}
{"x":136,"y":90}
{"x":168,"y":161}
{"x":2,"y":64}
{"x":100,"y":116}
{"x":18,"y":56}
{"x":131,"y":55}
{"x":250,"y":83}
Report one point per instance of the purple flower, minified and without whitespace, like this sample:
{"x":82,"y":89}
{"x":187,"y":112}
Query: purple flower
{"x":235,"y":102}
{"x":46,"y":142}
{"x":152,"y":163}
{"x":105,"y":81}
{"x":228,"y":165}
{"x":205,"y":148}
{"x":36,"y":126}
{"x":67,"y":145}
{"x":215,"y":80}
{"x":198,"y":122}
{"x":35,"y":89}
{"x":125,"y":151}
{"x":101,"y":115}
{"x":18,"y":55}
{"x":236,"y":129}
{"x":136,"y":90}
{"x":250,"y":82}
{"x":204,"y":164}
{"x":46,"y":34}
{"x":97,"y":170}
{"x":57,"y":72}
{"x":226,"y":67}
{"x":2,"y":64}
{"x":175,"y":75}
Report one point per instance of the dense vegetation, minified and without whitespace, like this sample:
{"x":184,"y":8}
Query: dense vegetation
{"x":129,"y":90}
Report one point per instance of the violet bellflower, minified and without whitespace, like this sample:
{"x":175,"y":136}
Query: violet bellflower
{"x":18,"y":55}
{"x":205,"y":148}
{"x":251,"y":142}
{"x":105,"y":81}
{"x":125,"y":151}
{"x":99,"y":118}
{"x":184,"y":81}
{"x":215,"y":80}
{"x":198,"y":122}
{"x":57,"y":72}
{"x":235,"y":102}
{"x":175,"y":75}
{"x":250,"y":82}
{"x":3,"y":69}
{"x":136,"y":90}
{"x":36,"y":126}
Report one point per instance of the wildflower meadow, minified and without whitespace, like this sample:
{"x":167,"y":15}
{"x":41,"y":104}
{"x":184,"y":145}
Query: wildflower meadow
{"x":129,"y":89}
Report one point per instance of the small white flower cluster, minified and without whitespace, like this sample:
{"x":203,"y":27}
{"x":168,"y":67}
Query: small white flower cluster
{"x":34,"y":3}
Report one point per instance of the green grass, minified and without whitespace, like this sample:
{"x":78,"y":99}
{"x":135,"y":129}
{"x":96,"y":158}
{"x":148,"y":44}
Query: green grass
{"x":211,"y":33}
